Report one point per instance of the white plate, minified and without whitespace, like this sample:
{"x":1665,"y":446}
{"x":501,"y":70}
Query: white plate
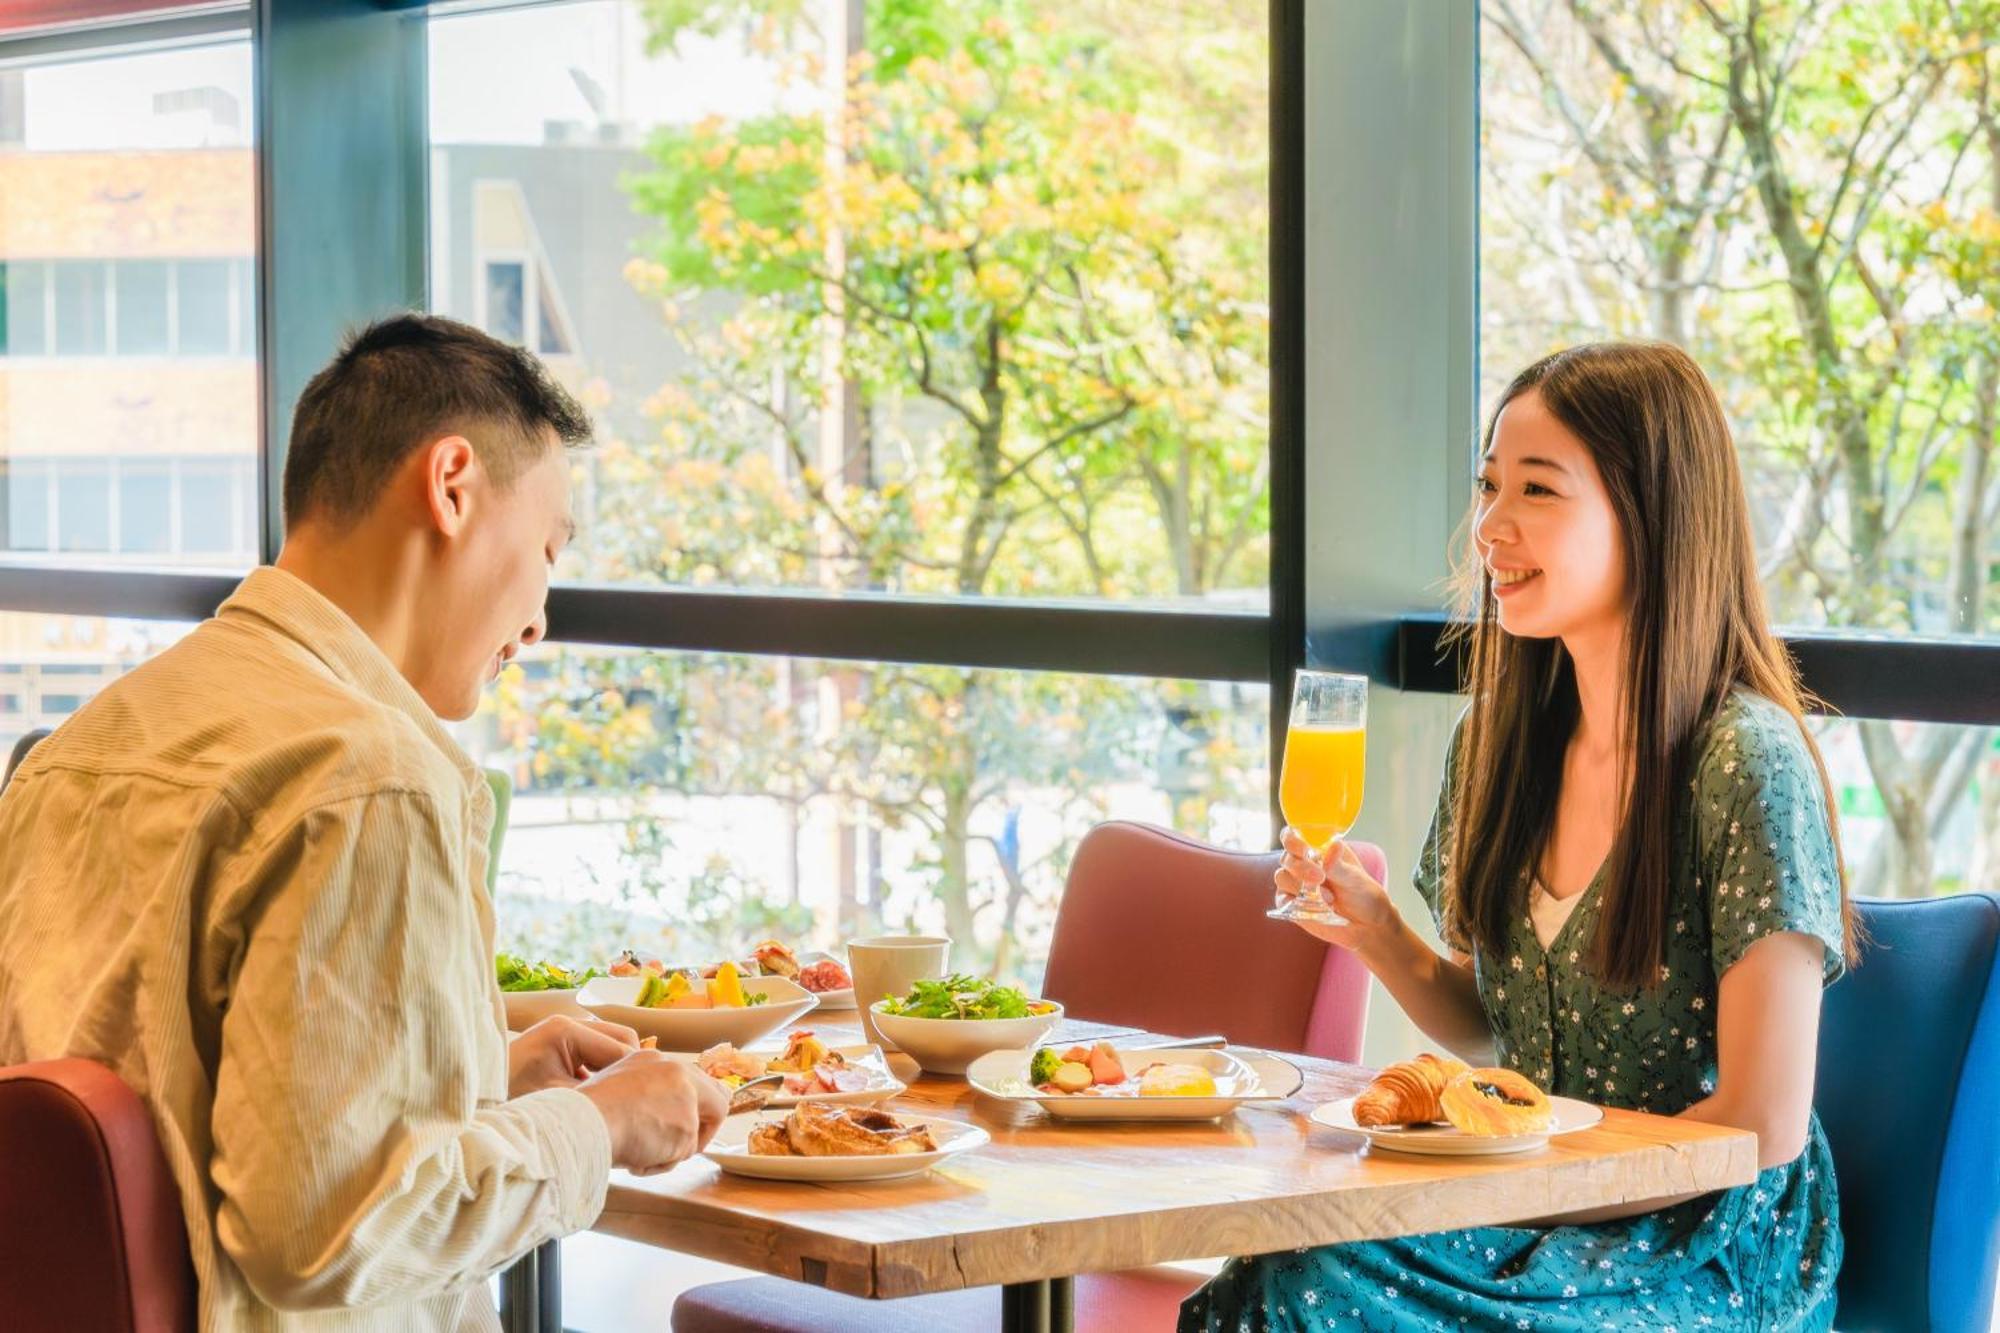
{"x":882,"y":1084}
{"x":1444,"y":1141}
{"x":727,"y":1150}
{"x":1004,"y":1075}
{"x":830,"y":1001}
{"x":699,"y":1029}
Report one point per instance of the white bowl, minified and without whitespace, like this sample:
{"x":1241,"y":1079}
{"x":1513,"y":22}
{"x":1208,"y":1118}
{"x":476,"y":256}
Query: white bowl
{"x":948,"y":1045}
{"x":525,"y":1008}
{"x":698,"y":1029}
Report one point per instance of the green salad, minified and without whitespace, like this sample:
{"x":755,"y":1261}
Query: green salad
{"x":518,"y":974}
{"x":965,"y":997}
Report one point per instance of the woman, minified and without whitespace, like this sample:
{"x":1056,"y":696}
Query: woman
{"x":1634,"y":867}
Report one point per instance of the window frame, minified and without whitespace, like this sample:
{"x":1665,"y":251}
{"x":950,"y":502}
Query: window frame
{"x":344,"y":231}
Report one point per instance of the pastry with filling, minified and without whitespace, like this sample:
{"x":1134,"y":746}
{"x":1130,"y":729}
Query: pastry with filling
{"x":1492,"y":1103}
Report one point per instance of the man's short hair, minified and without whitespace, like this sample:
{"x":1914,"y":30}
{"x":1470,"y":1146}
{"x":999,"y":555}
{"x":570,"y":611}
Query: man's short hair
{"x":403,"y":381}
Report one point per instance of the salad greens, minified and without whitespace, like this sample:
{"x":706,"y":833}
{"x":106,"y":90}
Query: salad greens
{"x":961,"y":996}
{"x":518,"y":974}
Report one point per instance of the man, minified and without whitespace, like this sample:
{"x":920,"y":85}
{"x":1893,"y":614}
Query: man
{"x":249,"y":876}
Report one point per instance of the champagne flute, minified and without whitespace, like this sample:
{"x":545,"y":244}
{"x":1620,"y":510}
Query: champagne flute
{"x":1320,"y":786}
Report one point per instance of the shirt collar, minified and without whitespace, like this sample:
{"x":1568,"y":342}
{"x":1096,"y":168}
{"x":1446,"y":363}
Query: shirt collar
{"x":297,"y":610}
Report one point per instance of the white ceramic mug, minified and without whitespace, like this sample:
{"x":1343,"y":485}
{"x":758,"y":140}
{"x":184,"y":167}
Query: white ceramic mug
{"x":884,"y":965}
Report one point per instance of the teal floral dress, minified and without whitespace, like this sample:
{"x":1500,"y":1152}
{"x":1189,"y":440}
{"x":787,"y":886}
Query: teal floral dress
{"x":1756,"y":859}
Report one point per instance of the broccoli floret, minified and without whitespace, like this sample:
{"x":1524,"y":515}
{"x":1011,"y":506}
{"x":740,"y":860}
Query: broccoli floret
{"x":1043,"y":1067}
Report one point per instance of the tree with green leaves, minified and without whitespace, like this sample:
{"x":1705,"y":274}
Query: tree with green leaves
{"x":1807,"y":196}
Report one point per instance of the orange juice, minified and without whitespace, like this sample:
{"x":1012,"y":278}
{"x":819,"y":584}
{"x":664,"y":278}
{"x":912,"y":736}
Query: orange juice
{"x":1320,"y":787}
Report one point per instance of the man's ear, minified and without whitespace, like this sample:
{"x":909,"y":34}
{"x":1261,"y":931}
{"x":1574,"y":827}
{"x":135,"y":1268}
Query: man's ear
{"x":450,"y":467}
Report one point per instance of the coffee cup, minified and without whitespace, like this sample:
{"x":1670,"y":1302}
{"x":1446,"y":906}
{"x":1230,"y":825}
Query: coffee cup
{"x":885,"y":965}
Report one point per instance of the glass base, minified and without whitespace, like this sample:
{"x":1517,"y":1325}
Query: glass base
{"x":1318,"y":913}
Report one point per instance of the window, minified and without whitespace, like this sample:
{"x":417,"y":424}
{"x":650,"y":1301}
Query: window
{"x":141,"y":287}
{"x":126,"y":346}
{"x":506,"y":293}
{"x":28,"y":493}
{"x":83,"y":508}
{"x":205,"y":307}
{"x":650,"y":207}
{"x":81,"y":306}
{"x":1852,"y":344}
{"x":1051,"y":385}
{"x":23,"y":309}
{"x":209,"y":507}
{"x":145,"y":509}
{"x":688,"y":801}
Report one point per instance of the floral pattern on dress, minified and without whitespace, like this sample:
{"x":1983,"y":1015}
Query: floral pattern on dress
{"x":1755,"y":858}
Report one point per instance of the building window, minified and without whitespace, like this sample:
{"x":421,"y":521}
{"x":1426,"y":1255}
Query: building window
{"x":140,"y":287}
{"x":83,"y":508}
{"x":145,"y":509}
{"x":204,"y":307}
{"x":81,"y":307}
{"x":506,"y":299}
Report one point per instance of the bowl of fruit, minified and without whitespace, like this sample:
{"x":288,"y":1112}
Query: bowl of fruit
{"x":683,"y":1010}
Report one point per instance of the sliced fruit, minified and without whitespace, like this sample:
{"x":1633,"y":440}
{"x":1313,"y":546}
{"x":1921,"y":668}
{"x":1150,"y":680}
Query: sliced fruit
{"x":652,"y":992}
{"x":1104,"y":1066}
{"x":727,"y":987}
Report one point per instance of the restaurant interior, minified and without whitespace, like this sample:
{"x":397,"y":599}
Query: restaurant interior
{"x":1038,"y":452}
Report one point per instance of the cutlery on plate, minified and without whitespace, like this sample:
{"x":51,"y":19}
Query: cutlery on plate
{"x":752,"y":1095}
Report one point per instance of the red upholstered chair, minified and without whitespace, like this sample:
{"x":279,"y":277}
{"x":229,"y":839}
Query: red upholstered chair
{"x":1155,"y":931}
{"x":1163,"y":932}
{"x":90,"y":1217}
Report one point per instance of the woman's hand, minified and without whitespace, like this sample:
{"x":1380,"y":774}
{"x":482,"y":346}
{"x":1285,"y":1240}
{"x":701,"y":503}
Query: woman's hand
{"x":560,"y":1052}
{"x":1347,"y":888}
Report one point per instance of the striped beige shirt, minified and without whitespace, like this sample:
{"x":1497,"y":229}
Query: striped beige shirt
{"x":250,"y":877}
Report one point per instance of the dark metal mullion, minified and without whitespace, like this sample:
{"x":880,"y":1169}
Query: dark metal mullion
{"x":1952,"y":681}
{"x":1287,"y":627}
{"x":342,"y":206}
{"x":1098,"y":639}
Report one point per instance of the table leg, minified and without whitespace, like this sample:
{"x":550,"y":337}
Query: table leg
{"x":519,"y":1301}
{"x":1062,"y":1305}
{"x":548,"y":1280}
{"x":1044,"y":1306}
{"x":531,"y":1292}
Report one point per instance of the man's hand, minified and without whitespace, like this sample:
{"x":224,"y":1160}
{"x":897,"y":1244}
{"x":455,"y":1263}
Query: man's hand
{"x":561,"y":1052}
{"x":659,"y":1111}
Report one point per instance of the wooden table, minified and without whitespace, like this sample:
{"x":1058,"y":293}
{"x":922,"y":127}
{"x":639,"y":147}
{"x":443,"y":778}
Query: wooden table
{"x":1049,"y":1199}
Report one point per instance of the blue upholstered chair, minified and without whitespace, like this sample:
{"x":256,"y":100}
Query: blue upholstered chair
{"x":1909,"y":1093}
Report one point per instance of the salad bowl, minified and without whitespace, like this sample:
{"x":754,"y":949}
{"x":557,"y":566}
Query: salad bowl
{"x":945,"y":1025}
{"x":531,"y":992}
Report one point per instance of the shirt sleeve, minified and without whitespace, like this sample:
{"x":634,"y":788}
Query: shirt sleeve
{"x":1768,"y":860}
{"x":1434,"y":859}
{"x":362,"y":1149}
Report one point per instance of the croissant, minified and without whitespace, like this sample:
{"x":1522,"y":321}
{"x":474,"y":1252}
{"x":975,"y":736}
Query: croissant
{"x":1407,"y":1092}
{"x":1495,"y":1102}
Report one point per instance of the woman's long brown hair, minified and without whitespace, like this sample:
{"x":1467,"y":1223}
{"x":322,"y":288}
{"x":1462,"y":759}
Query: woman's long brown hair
{"x":1697,"y":629}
